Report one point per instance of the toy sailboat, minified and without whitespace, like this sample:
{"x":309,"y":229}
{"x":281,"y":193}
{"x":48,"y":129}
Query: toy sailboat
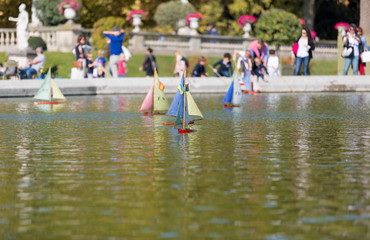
{"x":155,"y":101}
{"x":49,"y":92}
{"x":184,"y":108}
{"x":233,"y":96}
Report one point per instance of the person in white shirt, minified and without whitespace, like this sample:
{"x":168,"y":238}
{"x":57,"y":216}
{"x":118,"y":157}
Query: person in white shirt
{"x":304,"y":53}
{"x":34,"y":65}
{"x":354,"y":41}
{"x":273,"y":64}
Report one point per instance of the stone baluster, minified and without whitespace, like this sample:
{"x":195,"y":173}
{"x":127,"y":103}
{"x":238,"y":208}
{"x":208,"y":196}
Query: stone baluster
{"x":13,"y":39}
{"x":1,"y":38}
{"x":7,"y":38}
{"x":54,"y":42}
{"x":43,"y":35}
{"x":47,"y":38}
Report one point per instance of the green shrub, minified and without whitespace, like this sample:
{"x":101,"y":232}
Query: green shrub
{"x":278,"y":27}
{"x":35,"y":42}
{"x":105,"y":24}
{"x":168,"y":14}
{"x":48,"y":12}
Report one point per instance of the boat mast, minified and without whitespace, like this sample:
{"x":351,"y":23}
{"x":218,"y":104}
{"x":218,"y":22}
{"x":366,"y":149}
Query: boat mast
{"x":49,"y":86}
{"x":183,"y":119}
{"x":153,"y":97}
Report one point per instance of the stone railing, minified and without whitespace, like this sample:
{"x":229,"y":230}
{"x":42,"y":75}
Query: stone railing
{"x":63,"y":38}
{"x":212,"y":45}
{"x":7,"y":39}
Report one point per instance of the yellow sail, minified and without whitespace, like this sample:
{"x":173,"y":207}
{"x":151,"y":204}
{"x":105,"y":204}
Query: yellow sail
{"x":192,"y":106}
{"x":160,"y":102}
{"x":57,"y":94}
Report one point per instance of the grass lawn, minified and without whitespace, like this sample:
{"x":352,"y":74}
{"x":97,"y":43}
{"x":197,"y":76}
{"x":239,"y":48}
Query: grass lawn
{"x":323,"y":67}
{"x":166,"y":64}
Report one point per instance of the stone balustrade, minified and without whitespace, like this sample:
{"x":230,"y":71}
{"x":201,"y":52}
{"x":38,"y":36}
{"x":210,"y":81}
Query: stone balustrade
{"x":7,"y":39}
{"x":63,"y":38}
{"x":60,"y":38}
{"x":211,"y":45}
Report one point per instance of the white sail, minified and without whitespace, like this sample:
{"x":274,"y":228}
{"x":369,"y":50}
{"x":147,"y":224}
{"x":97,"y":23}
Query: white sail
{"x":237,"y":92}
{"x":44,"y":91}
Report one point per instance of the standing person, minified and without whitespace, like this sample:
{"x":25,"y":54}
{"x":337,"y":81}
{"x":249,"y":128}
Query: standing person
{"x":245,"y":63}
{"x":122,"y":66}
{"x":304,"y":52}
{"x":259,"y":49}
{"x":90,"y":65}
{"x":209,"y":28}
{"x":80,"y":55}
{"x":116,"y":37}
{"x":149,"y":64}
{"x":34,"y":65}
{"x":273,"y":64}
{"x":199,"y":69}
{"x":354,"y":41}
{"x":225,"y":69}
{"x":100,"y":64}
{"x":181,"y":64}
{"x":363,"y":48}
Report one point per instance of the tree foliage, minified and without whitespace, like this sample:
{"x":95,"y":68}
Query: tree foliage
{"x":10,"y":9}
{"x":95,"y":10}
{"x":221,"y":13}
{"x":104,"y":24}
{"x":49,"y":14}
{"x":278,"y":27}
{"x":212,"y":14}
{"x":168,"y":14}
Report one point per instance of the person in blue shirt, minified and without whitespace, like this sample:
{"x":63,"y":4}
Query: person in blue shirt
{"x":116,"y":37}
{"x":225,"y":69}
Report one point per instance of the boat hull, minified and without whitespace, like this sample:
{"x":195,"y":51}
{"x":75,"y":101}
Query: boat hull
{"x":39,"y":103}
{"x":181,"y":131}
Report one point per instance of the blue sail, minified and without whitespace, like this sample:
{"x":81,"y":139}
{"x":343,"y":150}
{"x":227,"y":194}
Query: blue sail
{"x":229,"y":94}
{"x":178,"y":97}
{"x":183,"y":108}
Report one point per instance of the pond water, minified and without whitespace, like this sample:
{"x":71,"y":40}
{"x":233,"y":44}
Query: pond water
{"x":283,"y":166}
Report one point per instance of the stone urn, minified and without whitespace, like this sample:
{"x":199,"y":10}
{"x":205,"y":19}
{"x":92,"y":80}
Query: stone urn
{"x":194,"y":24}
{"x":136,"y":21}
{"x":342,"y":31}
{"x":69,"y":13}
{"x":247,"y":27}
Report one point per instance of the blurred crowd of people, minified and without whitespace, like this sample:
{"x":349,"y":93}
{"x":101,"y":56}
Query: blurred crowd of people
{"x":257,"y":60}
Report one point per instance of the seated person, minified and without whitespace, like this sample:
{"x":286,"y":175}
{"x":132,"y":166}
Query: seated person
{"x":34,"y":65}
{"x":225,"y":69}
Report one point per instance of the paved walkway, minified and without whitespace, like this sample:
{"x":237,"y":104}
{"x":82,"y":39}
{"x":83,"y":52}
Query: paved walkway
{"x":300,"y":84}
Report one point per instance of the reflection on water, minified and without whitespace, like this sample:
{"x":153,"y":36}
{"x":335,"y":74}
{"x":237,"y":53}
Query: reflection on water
{"x":283,"y":166}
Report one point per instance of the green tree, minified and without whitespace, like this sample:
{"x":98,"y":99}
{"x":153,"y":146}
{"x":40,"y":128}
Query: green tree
{"x":92,"y":11}
{"x":212,"y":13}
{"x":10,"y":9}
{"x":168,"y":14}
{"x":309,"y":13}
{"x":49,"y":13}
{"x":278,"y":27}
